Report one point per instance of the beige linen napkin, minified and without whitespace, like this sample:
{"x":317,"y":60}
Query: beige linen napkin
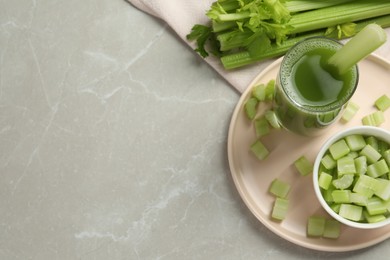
{"x":181,"y":15}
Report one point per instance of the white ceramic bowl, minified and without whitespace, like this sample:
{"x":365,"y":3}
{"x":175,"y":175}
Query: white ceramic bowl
{"x":364,"y":130}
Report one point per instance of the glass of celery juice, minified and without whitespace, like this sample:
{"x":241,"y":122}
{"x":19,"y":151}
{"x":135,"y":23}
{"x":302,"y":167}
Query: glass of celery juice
{"x":309,"y":94}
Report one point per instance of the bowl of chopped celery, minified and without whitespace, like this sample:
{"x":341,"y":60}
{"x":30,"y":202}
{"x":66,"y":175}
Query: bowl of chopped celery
{"x":351,"y":177}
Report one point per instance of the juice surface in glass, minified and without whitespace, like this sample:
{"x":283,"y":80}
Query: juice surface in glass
{"x":310,"y":95}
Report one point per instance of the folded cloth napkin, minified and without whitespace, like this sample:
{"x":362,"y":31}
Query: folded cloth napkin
{"x":181,"y":15}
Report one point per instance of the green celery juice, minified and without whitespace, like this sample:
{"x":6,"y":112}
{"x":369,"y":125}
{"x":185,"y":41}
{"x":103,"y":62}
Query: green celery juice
{"x":309,"y":93}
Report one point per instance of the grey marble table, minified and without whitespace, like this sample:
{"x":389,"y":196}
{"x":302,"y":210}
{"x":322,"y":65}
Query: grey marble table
{"x":113,"y":142}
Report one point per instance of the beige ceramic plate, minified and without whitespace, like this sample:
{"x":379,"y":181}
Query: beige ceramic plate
{"x":253,"y":177}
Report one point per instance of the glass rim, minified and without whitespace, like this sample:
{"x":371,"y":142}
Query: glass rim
{"x":319,"y":109}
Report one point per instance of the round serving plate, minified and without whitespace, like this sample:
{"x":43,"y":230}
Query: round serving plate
{"x":252,"y":177}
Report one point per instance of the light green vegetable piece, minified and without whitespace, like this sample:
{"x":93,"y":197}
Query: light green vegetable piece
{"x":374,"y":119}
{"x":332,"y":229}
{"x":279,"y":188}
{"x":280,"y":209}
{"x":315,"y":226}
{"x":261,"y":126}
{"x":259,"y":150}
{"x":351,"y":212}
{"x":303,"y":165}
{"x":350,"y":110}
{"x":251,"y":107}
{"x":383,"y":103}
{"x":339,"y":149}
{"x":343,"y":182}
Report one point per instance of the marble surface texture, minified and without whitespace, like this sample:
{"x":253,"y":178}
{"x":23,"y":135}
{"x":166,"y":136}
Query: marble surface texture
{"x":113,"y":142}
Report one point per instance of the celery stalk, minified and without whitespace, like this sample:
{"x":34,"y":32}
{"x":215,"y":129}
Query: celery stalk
{"x":243,"y":58}
{"x":361,"y":45}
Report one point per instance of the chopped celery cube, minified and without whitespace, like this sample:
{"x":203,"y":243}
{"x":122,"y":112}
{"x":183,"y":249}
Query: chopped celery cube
{"x":377,"y":169}
{"x":270,"y":90}
{"x":376,"y":206}
{"x":328,"y":162}
{"x":341,"y":196}
{"x":349,"y":112}
{"x":371,"y":140}
{"x":365,"y":185}
{"x":382,"y":190}
{"x":327,"y":194}
{"x":251,"y":107}
{"x":351,"y":212}
{"x":339,"y":149}
{"x":260,"y":151}
{"x":383,"y":103}
{"x":358,"y":199}
{"x":343,"y":182}
{"x":382,"y":147}
{"x":374,"y":119}
{"x":280,"y":208}
{"x":386,"y":156}
{"x":315,"y":226}
{"x":279,"y":188}
{"x":353,"y":154}
{"x":324,"y":180}
{"x":371,"y":154}
{"x":373,"y":218}
{"x":346,"y":165}
{"x":335,"y":207}
{"x":303,"y":165}
{"x":258,"y":92}
{"x":361,"y":165}
{"x":261,"y":126}
{"x":355,"y":142}
{"x":272,"y":119}
{"x":332,"y":229}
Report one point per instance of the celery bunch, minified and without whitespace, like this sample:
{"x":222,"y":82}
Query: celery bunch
{"x":242,"y":32}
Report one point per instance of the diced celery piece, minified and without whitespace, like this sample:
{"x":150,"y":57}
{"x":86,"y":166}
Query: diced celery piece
{"x":261,"y":126}
{"x":382,"y":190}
{"x":324,"y":180}
{"x":260,"y":151}
{"x":383,"y":103}
{"x":332,"y":229}
{"x":386,"y":156}
{"x":258,"y":92}
{"x":374,"y":119}
{"x":328,"y":162}
{"x":251,"y":107}
{"x":365,"y":185}
{"x":377,"y":169}
{"x":371,"y":154}
{"x":303,"y":165}
{"x":376,"y":206}
{"x":315,"y":226}
{"x":371,"y":140}
{"x":280,"y":208}
{"x":343,"y":182}
{"x":346,"y":165}
{"x":272,"y":119}
{"x":355,"y":142}
{"x":349,"y":111}
{"x":361,"y":164}
{"x":279,"y":188}
{"x":373,"y":218}
{"x":383,"y":147}
{"x":353,"y":154}
{"x":335,"y":207}
{"x":358,"y":199}
{"x":327,"y":194}
{"x":351,"y":212}
{"x":339,"y":149}
{"x":341,"y":196}
{"x":270,"y":90}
